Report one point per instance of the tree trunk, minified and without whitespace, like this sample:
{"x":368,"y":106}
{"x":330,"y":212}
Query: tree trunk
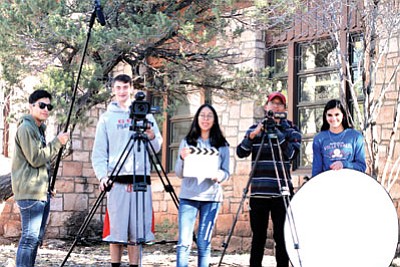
{"x":5,"y":187}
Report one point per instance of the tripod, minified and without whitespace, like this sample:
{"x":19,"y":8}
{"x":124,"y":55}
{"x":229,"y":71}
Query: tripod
{"x":139,"y":187}
{"x":283,"y":189}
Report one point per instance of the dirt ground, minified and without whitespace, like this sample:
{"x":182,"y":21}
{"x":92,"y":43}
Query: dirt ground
{"x":53,"y":253}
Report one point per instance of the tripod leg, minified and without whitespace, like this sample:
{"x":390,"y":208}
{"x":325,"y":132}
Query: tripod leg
{"x":226,"y":243}
{"x":167,"y":185}
{"x":245,"y":191}
{"x":286,"y":199}
{"x":84,"y":225}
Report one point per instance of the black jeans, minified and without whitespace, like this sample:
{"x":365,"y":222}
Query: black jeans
{"x":260,"y":208}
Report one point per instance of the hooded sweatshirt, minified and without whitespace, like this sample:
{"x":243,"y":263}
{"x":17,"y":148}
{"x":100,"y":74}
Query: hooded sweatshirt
{"x":31,"y":159}
{"x":113,"y":135}
{"x":208,"y":190}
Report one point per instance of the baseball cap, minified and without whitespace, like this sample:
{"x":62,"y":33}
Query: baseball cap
{"x":277,"y":94}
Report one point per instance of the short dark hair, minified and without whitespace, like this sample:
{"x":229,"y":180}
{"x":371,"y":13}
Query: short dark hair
{"x":334,"y":103}
{"x":122,"y":78}
{"x":38,"y":94}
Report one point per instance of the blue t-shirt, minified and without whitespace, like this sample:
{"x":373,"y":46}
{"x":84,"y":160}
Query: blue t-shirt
{"x":347,"y":147}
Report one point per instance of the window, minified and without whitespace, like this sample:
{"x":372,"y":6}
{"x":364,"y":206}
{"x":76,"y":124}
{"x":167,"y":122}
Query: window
{"x":318,"y":81}
{"x":278,"y":60}
{"x":356,"y":55}
{"x":179,"y":125}
{"x":156,"y":102}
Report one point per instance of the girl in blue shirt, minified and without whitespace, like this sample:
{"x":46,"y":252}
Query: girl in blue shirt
{"x":338,"y":145}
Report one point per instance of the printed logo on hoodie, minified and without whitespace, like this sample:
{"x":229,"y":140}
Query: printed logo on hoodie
{"x":123,"y":123}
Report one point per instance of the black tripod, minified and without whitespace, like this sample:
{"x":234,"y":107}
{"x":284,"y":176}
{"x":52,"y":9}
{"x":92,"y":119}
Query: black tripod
{"x":269,"y":133}
{"x":136,"y":137}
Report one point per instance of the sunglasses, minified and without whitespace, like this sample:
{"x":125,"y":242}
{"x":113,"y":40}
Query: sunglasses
{"x":43,"y":105}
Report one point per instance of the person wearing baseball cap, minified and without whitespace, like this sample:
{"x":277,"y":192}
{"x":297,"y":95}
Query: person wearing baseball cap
{"x":278,"y":95}
{"x":270,"y":190}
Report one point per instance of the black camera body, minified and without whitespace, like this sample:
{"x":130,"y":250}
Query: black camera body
{"x":269,"y":123}
{"x":138,"y":111}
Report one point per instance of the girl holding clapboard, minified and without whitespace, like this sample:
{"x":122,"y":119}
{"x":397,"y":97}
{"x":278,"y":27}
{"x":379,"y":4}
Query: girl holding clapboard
{"x":201,"y":191}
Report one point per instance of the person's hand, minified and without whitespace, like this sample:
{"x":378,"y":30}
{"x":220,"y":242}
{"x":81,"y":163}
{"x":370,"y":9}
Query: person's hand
{"x":284,"y":124}
{"x":104,"y":183}
{"x":256,"y":131}
{"x":53,"y":192}
{"x":150,"y":134}
{"x":63,"y":137}
{"x":337,"y":165}
{"x":185,"y":152}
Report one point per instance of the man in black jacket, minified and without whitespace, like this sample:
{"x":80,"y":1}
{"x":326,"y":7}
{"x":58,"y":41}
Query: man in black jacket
{"x":268,"y":189}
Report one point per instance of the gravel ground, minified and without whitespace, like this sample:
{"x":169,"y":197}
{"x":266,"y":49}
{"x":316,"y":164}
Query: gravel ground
{"x":54,"y":252}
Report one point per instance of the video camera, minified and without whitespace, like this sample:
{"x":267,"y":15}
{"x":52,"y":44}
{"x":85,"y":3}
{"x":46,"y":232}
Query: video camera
{"x":269,"y":123}
{"x":138,"y":111}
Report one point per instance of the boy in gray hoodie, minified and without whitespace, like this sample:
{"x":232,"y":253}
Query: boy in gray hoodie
{"x":129,"y":214}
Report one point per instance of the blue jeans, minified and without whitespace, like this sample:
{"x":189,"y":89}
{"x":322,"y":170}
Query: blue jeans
{"x":188,"y":210}
{"x":34,"y":214}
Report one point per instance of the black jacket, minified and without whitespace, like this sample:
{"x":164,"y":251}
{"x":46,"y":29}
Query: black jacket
{"x":264,"y":182}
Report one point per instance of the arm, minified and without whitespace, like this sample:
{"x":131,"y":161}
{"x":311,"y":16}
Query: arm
{"x":32,"y":149}
{"x":100,"y":151}
{"x":156,"y":138}
{"x":291,"y":143}
{"x":179,"y":160}
{"x":223,"y":172}
{"x":317,"y":158}
{"x":244,"y":148}
{"x":358,"y":162}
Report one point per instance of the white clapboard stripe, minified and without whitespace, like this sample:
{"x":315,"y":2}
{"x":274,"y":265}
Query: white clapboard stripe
{"x":204,"y":151}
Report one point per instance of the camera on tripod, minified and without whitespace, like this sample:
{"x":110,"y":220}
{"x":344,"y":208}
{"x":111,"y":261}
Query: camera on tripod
{"x":269,"y":123}
{"x":138,"y":111}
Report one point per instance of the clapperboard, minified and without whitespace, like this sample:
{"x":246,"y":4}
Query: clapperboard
{"x":201,"y":163}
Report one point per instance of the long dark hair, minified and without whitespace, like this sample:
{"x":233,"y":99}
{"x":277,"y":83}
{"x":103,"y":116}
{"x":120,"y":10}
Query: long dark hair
{"x":217,"y":139}
{"x":334,"y":103}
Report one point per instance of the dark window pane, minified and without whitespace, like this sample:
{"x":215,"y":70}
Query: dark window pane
{"x":280,"y":85}
{"x":354,"y":118}
{"x":156,"y":105}
{"x":310,"y":119}
{"x":280,"y":60}
{"x":173,"y":157}
{"x":179,"y":130}
{"x":306,"y":154}
{"x":357,"y":49}
{"x":319,"y":87}
{"x":157,"y":101}
{"x":358,"y":82}
{"x":178,"y":127}
{"x":318,"y":55}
